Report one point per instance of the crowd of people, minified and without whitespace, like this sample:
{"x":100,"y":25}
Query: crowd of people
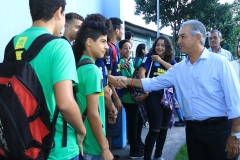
{"x":89,"y":69}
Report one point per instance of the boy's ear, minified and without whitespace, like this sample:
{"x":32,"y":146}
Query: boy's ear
{"x":58,"y":13}
{"x":66,"y":25}
{"x":117,"y":30}
{"x":89,"y":42}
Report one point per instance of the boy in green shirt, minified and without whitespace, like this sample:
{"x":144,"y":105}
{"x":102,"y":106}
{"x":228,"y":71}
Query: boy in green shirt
{"x":55,"y":69}
{"x":91,"y":43}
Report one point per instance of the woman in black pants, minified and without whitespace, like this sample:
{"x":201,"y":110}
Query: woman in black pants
{"x":157,"y":62}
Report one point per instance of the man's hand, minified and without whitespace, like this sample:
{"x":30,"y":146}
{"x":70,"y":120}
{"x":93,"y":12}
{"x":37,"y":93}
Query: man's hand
{"x":117,"y":81}
{"x":80,"y":139}
{"x":232,"y":147}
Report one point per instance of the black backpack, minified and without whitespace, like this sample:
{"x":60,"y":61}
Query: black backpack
{"x":26,"y":131}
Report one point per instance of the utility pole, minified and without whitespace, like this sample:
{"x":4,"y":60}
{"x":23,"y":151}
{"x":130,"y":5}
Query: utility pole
{"x":158,"y":9}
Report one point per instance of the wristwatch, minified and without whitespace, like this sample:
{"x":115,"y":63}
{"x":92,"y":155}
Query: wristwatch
{"x":237,"y":135}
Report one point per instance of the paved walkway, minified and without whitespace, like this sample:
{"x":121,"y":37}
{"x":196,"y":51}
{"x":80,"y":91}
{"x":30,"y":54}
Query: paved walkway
{"x":175,"y":139}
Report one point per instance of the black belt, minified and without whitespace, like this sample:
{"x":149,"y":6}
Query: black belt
{"x":209,"y":121}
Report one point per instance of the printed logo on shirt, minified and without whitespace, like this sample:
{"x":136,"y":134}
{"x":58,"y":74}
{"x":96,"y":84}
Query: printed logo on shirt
{"x":101,"y":94}
{"x":119,"y":68}
{"x":101,"y":71}
{"x":156,"y":64}
{"x":144,"y":59}
{"x":159,"y":72}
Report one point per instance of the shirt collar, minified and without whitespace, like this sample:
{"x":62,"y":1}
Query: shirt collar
{"x":204,"y":55}
{"x":86,"y":56}
{"x":210,"y":49}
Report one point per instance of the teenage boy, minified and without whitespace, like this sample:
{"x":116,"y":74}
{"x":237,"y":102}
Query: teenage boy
{"x":112,"y":64}
{"x":55,"y":69}
{"x":72,"y":25}
{"x":111,"y":111}
{"x":91,"y":43}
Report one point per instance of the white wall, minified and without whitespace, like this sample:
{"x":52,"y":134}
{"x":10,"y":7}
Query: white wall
{"x":14,"y":19}
{"x":15,"y":16}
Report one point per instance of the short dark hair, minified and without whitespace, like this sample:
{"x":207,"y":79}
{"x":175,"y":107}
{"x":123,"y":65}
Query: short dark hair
{"x":90,"y":29}
{"x":70,"y":16}
{"x":122,"y":42}
{"x":128,"y":35}
{"x":116,"y":22}
{"x":139,"y":52}
{"x":45,"y":9}
{"x":168,"y":55}
{"x":102,"y":19}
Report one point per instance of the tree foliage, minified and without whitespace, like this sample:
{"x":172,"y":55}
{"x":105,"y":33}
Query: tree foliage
{"x":173,"y":12}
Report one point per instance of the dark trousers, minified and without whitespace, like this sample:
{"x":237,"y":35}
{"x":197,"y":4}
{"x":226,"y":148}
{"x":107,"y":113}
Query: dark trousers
{"x":207,"y":142}
{"x":158,"y":117}
{"x":134,"y":124}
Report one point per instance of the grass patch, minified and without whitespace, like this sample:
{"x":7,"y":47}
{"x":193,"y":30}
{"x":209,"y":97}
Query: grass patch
{"x":182,"y":154}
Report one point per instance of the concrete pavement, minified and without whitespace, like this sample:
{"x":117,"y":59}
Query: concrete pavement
{"x":175,"y":139}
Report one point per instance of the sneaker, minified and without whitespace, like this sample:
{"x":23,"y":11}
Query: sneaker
{"x":160,"y":158}
{"x":116,"y":157}
{"x":180,"y":124}
{"x":138,"y":154}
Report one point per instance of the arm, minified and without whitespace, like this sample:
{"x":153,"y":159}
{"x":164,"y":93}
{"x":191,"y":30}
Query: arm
{"x":157,"y":58}
{"x":96,"y":125}
{"x":233,"y":144}
{"x":117,"y":102}
{"x":230,"y":86}
{"x":151,"y":84}
{"x":142,"y":72}
{"x":67,"y":105}
{"x":114,"y":81}
{"x":108,"y":101}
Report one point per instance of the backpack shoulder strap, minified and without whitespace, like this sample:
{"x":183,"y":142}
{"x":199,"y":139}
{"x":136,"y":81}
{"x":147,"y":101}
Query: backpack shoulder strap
{"x":84,"y":62}
{"x":37,"y":45}
{"x":114,"y":52}
{"x":32,"y":51}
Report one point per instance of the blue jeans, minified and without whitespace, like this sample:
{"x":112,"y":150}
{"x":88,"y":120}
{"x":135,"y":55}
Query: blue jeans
{"x":207,"y":142}
{"x":91,"y":157}
{"x":179,"y":113}
{"x":75,"y":158}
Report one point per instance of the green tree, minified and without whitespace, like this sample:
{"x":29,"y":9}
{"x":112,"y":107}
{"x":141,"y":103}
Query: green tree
{"x":174,"y":12}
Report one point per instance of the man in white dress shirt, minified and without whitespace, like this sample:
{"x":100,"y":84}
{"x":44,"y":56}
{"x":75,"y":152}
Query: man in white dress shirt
{"x":215,"y":38}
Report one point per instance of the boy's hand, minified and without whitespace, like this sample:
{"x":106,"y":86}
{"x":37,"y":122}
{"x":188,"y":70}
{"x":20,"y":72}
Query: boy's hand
{"x":80,"y":139}
{"x":107,"y":155}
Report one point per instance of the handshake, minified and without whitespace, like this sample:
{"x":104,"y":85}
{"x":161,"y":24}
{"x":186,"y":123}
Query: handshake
{"x":118,"y":81}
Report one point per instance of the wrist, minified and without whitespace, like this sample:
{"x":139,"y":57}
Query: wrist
{"x":129,"y":81}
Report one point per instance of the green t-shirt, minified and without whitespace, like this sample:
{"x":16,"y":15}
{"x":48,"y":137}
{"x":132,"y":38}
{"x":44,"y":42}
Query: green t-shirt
{"x":53,"y":64}
{"x":90,"y":81}
{"x":139,"y":62}
{"x":128,"y":72}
